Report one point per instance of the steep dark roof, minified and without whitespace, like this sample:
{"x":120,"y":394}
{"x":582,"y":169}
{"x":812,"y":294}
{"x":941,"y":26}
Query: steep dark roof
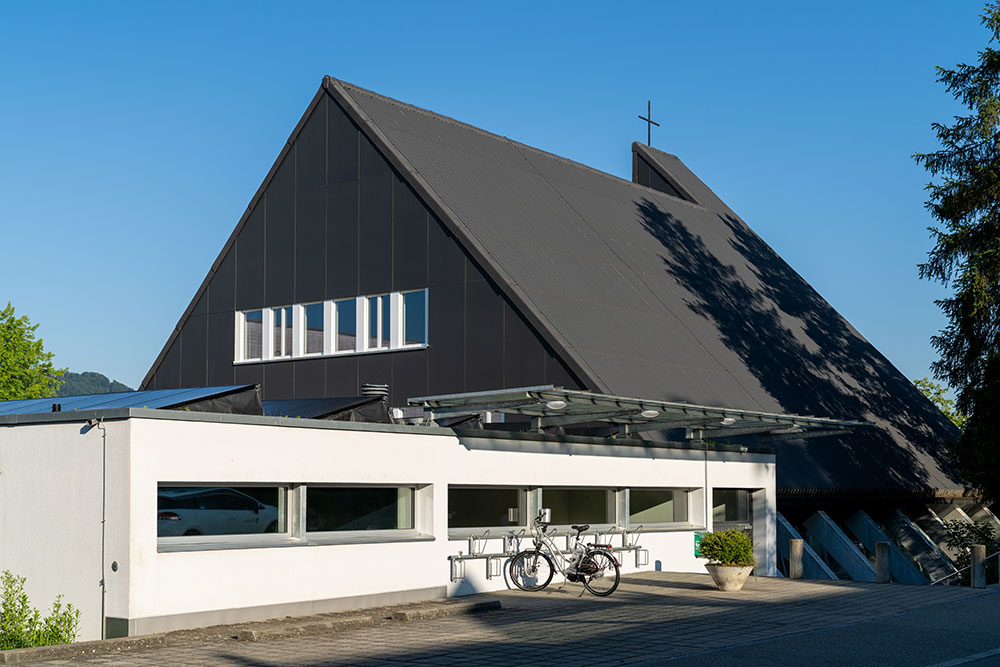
{"x":643,"y":293}
{"x":652,"y":295}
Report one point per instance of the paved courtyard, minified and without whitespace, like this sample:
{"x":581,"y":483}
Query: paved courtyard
{"x":654,"y":617}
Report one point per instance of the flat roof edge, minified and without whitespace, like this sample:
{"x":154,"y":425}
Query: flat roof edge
{"x":119,"y":414}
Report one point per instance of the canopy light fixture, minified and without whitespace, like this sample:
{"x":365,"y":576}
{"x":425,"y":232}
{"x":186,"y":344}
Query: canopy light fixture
{"x":555,"y":405}
{"x":649,"y":414}
{"x":727,"y":421}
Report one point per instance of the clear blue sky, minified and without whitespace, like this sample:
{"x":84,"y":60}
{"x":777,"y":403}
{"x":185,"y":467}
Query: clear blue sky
{"x":133,"y":135}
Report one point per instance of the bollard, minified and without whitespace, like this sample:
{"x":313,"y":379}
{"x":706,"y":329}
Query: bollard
{"x":978,"y":566}
{"x":794,"y":559}
{"x":882,"y":575}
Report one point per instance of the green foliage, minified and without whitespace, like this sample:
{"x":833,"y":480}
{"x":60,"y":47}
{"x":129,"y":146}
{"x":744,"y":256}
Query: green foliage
{"x":935,"y":393}
{"x":89,"y":382}
{"x":962,"y":536}
{"x":728,"y":547}
{"x":963,"y":198}
{"x":22,"y":626}
{"x":25,"y":367}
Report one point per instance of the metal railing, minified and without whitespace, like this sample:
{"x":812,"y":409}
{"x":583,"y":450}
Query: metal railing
{"x":967,"y":567}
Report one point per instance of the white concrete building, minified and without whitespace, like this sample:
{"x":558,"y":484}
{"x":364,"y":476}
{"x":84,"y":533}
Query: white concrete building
{"x":346,"y":514}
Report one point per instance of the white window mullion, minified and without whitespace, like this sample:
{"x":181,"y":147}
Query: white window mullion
{"x":267,"y":335}
{"x":362,"y":324}
{"x":298,"y":331}
{"x":395,"y":320}
{"x":240,"y":323}
{"x":329,"y":327}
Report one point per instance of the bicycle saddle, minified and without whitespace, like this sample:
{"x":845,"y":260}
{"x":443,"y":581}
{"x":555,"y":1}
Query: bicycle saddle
{"x":582,"y":528}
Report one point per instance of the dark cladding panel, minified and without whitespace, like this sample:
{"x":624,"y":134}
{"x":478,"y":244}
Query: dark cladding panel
{"x":278,"y":381}
{"x":409,"y":238}
{"x":310,"y":245}
{"x":279,"y":264}
{"x":310,"y":150}
{"x":201,"y":305}
{"x":342,"y":240}
{"x":168,"y":375}
{"x":193,"y":344}
{"x":250,"y":374}
{"x":250,"y":261}
{"x":445,"y":258}
{"x":375,"y":369}
{"x":446,"y":337}
{"x":342,"y":146}
{"x":409,"y":376}
{"x":283,"y":182}
{"x":557,"y":375}
{"x":310,"y":378}
{"x":342,"y":376}
{"x":524,"y":354}
{"x":221,"y":349}
{"x":222,"y":288}
{"x":375,"y":222}
{"x":483,"y":337}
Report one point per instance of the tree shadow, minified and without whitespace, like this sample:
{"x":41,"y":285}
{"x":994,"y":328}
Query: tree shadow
{"x":807,"y":358}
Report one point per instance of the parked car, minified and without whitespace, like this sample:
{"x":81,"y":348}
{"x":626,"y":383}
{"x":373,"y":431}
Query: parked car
{"x":212,"y":511}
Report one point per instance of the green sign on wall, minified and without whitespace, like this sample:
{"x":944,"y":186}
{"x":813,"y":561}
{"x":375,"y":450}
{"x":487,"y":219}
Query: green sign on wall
{"x":697,"y":544}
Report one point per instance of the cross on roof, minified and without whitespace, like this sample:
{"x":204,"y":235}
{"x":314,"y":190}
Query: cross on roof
{"x":649,"y":122}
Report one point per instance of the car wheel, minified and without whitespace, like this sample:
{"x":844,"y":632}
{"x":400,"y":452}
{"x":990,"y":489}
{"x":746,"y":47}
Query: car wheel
{"x":192,"y":531}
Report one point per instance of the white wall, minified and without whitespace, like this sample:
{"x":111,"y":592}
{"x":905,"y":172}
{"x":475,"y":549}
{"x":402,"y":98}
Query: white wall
{"x":54,"y":534}
{"x":50,"y":512}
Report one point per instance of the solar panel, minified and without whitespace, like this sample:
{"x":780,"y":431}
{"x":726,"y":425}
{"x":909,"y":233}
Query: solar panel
{"x":153,"y":398}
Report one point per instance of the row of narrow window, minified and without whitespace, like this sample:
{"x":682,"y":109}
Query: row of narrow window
{"x":359,"y":324}
{"x":249,"y":509}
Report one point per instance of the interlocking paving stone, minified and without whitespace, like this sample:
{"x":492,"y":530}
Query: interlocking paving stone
{"x":654,"y":615}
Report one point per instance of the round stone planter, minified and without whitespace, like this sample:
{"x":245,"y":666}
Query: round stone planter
{"x":729,"y":577}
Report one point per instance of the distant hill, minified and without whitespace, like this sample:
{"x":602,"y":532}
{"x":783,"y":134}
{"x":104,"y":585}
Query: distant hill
{"x":89,"y":382}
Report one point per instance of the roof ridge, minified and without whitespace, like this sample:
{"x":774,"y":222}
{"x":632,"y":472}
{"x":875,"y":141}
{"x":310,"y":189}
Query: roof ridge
{"x":516,"y":144}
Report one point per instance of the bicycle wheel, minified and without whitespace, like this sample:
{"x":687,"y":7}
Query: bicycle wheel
{"x":604,"y":579}
{"x":531,"y":570}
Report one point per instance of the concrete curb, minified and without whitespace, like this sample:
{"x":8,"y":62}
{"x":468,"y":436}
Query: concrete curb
{"x":96,"y":647}
{"x":287,"y":628}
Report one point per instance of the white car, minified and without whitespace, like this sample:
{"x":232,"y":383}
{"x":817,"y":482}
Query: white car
{"x":212,"y":511}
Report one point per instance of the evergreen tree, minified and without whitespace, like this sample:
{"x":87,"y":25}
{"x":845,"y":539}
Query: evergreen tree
{"x":965,"y":200}
{"x":26,"y":369}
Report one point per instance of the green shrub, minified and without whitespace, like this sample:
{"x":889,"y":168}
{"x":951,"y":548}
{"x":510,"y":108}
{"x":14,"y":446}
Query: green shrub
{"x":21,"y":626}
{"x":728,"y":547}
{"x":962,"y":536}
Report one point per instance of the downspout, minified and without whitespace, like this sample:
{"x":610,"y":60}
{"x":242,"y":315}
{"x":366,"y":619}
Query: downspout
{"x":99,"y":423}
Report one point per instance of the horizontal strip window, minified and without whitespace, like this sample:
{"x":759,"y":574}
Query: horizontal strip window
{"x":376,"y":323}
{"x":242,"y":516}
{"x":486,"y":507}
{"x":580,"y":505}
{"x":213,"y":511}
{"x":374,"y":509}
{"x":651,"y":507}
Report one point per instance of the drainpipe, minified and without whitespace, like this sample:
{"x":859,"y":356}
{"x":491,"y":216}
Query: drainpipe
{"x":99,"y":423}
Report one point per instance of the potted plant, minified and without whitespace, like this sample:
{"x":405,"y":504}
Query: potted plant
{"x":730,"y":558}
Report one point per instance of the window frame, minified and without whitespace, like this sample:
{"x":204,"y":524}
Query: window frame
{"x":237,"y":540}
{"x":614,"y":508}
{"x":658,"y":525}
{"x":524,"y":505}
{"x":388,"y":320}
{"x":354,"y":536}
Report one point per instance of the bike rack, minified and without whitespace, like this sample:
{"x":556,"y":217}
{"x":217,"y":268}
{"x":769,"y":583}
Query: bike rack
{"x":512,"y":545}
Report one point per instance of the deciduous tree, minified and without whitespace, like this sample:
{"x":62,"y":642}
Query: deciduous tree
{"x":26,"y":369}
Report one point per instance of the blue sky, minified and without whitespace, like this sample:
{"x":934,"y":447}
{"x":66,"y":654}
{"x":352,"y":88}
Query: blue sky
{"x":133,"y":135}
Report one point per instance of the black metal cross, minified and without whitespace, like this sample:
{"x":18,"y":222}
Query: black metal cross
{"x":649,"y":122}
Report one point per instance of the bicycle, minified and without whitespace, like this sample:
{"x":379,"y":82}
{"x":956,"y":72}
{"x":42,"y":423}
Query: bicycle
{"x":592,"y":565}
